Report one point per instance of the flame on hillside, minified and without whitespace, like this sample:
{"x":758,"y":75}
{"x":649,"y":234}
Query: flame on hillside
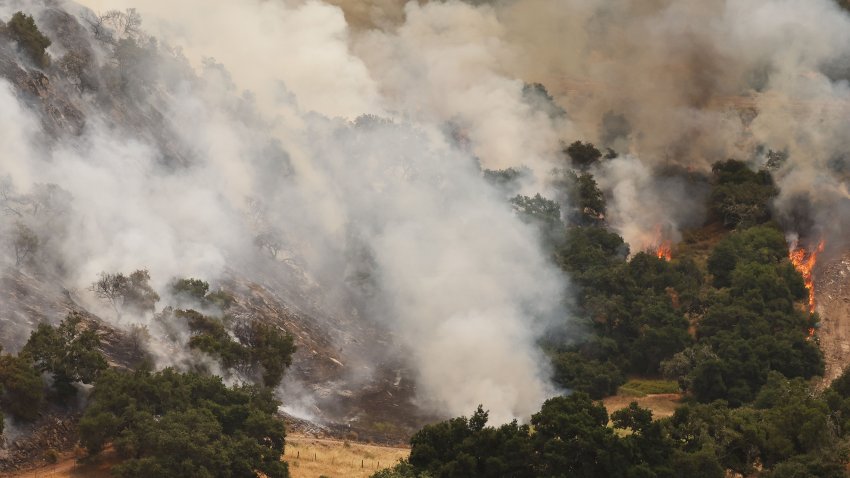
{"x":664,"y":250}
{"x":661,"y":245}
{"x":804,"y":261}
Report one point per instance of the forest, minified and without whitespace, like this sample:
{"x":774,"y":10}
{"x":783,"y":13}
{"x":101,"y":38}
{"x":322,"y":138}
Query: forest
{"x":720,"y":314}
{"x":726,"y":318}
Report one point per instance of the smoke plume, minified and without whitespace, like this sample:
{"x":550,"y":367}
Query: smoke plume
{"x":248,"y":124}
{"x":183,"y":161}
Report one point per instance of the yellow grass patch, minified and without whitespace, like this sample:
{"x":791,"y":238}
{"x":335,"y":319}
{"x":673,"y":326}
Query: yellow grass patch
{"x":662,"y":405}
{"x":315,"y":457}
{"x":307,"y":457}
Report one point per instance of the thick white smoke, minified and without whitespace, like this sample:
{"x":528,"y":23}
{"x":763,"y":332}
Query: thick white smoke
{"x":647,"y":208}
{"x":452,"y":273}
{"x":459,"y":280}
{"x":273,"y":48}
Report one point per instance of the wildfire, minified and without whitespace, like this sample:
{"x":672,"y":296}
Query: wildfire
{"x":664,"y":250}
{"x":661,"y":244}
{"x":804,"y":261}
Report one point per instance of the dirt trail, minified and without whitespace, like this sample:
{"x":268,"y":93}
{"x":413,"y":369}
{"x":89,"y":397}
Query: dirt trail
{"x":67,"y":467}
{"x":832,"y":299}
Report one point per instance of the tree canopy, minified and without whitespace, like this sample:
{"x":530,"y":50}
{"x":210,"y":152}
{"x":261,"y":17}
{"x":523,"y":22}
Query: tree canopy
{"x":22,"y":28}
{"x":184,"y":425}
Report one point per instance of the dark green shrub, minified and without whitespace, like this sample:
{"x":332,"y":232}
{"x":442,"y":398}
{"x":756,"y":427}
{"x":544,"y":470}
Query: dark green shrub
{"x":22,"y":29}
{"x":21,"y":388}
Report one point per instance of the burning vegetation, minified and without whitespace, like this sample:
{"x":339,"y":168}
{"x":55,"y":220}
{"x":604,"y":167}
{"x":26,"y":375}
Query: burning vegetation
{"x":439,"y":260}
{"x":804,"y":261}
{"x":664,"y":250}
{"x":661,"y":245}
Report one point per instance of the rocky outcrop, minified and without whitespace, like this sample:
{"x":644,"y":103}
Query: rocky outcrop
{"x":40,"y":442}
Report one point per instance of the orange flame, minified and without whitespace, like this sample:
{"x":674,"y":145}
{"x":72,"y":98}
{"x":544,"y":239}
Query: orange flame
{"x":804,"y":261}
{"x":664,"y":250}
{"x":661,"y":245}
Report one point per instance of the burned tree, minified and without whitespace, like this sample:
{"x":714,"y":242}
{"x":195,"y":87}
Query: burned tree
{"x":25,"y":244}
{"x":132,"y":292}
{"x":274,"y":242}
{"x":269,"y":242}
{"x":10,"y":203}
{"x":114,"y":25}
{"x":111,"y":287}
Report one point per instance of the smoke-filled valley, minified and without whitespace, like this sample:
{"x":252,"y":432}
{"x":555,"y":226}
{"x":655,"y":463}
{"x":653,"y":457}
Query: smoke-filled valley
{"x":370,"y":216}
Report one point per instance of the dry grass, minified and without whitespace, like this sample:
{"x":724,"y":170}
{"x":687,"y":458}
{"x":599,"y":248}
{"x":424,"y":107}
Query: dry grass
{"x":641,"y":387}
{"x":307,"y":457}
{"x":67,"y":467}
{"x":315,"y":457}
{"x":662,"y":405}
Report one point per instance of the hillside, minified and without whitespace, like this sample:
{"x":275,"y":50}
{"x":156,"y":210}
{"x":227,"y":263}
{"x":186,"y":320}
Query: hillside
{"x":321,"y":457}
{"x":434,"y":239}
{"x":832,"y":297}
{"x":338,"y":376}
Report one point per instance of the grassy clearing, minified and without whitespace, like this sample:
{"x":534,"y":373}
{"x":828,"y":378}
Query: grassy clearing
{"x":643,"y":387}
{"x":317,"y":457}
{"x":307,"y":457}
{"x":661,"y":405}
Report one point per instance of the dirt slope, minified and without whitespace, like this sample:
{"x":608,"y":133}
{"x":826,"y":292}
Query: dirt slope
{"x":832,"y":294}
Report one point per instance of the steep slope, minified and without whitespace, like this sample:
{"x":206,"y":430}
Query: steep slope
{"x":832,"y":286}
{"x":341,"y":375}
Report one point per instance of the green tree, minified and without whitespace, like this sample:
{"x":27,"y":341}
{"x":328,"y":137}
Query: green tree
{"x":707,"y":382}
{"x":701,"y":464}
{"x":184,"y":425}
{"x":127,"y":293}
{"x":270,"y":350}
{"x":466,"y":447}
{"x":580,"y":196}
{"x":209,"y":335}
{"x":21,"y":388}
{"x":25,"y":32}
{"x":763,"y":245}
{"x":68,"y":352}
{"x":139,"y":295}
{"x":583,"y":155}
{"x":194,"y":289}
{"x":507,"y":180}
{"x":575,"y":372}
{"x":258,"y":349}
{"x":541,"y":212}
{"x":586,"y":250}
{"x":572,"y":438}
{"x":401,"y":470}
{"x":740,"y":196}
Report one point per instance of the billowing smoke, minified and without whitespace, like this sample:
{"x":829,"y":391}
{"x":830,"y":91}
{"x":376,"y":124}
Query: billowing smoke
{"x":673,"y":83}
{"x":689,"y":83}
{"x":182,"y":162}
{"x":249,"y":111}
{"x":648,"y":207}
